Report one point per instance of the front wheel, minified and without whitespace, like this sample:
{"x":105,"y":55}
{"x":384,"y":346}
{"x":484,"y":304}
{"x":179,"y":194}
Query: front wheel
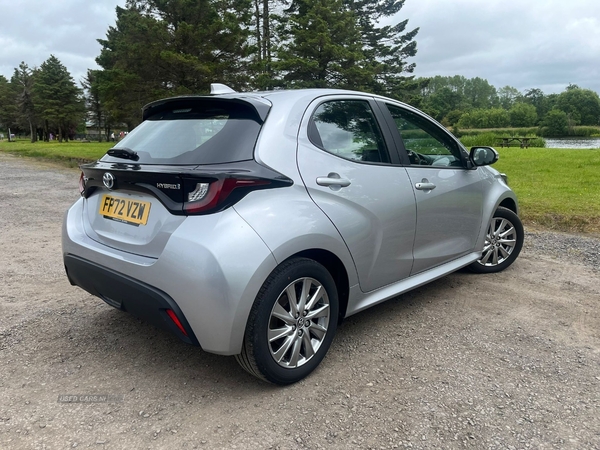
{"x":291,"y":324}
{"x":503,"y":242}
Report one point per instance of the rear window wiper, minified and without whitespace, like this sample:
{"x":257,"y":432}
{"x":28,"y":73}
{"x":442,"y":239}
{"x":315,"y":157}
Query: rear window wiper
{"x":124,"y":153}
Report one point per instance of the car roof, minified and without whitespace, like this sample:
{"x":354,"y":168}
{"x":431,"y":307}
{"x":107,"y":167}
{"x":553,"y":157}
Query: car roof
{"x":264,"y":99}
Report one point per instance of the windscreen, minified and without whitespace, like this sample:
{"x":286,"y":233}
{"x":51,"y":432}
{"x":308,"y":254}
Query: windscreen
{"x":199,"y":132}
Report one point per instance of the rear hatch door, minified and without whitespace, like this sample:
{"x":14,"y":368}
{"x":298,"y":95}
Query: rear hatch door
{"x":136,"y":194}
{"x":139,"y":212}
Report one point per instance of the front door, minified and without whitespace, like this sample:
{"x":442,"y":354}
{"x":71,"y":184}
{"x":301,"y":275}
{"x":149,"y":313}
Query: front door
{"x":448,"y":195}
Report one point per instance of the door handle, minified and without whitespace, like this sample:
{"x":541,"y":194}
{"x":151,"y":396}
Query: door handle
{"x":425,"y":185}
{"x":333,"y":180}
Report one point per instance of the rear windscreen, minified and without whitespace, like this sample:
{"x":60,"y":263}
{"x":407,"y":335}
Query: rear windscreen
{"x":200,"y":132}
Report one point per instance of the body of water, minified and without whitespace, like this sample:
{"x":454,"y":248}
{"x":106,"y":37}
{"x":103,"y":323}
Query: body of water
{"x":572,"y":142}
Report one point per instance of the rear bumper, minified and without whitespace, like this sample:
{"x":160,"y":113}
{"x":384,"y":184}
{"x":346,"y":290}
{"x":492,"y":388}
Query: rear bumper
{"x":209,"y":273}
{"x":125,"y":293}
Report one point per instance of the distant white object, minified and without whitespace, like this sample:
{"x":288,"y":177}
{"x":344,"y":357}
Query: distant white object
{"x":218,"y":88}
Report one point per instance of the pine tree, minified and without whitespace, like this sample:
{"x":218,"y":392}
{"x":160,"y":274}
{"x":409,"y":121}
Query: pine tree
{"x":134,"y":73}
{"x":23,"y":83}
{"x":7,"y":105}
{"x":339,"y":43}
{"x":96,"y":112}
{"x":387,"y":47}
{"x":323,"y":47}
{"x":260,"y":53}
{"x":161,"y":48}
{"x":57,"y":99}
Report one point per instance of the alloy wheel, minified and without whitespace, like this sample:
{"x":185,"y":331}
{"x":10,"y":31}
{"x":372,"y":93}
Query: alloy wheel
{"x":298,"y":322}
{"x":500,"y":242}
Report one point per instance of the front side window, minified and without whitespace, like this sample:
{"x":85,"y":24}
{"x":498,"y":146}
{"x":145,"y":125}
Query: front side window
{"x":348,"y":129}
{"x":425,"y":143}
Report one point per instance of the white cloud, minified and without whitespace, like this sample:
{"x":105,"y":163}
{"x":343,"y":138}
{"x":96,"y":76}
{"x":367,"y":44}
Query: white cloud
{"x":538,"y":43}
{"x":32,"y":30}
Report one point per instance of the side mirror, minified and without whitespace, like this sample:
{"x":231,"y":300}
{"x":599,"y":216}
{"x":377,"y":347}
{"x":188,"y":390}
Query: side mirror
{"x":483,"y":156}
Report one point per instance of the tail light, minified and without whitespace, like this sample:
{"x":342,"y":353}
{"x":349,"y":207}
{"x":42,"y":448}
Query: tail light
{"x":187,"y":191}
{"x":207,"y":196}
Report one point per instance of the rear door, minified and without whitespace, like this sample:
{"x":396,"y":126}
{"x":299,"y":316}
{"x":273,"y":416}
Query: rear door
{"x":345,"y":163}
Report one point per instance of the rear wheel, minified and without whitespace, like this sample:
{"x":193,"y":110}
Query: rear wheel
{"x":292,"y":323}
{"x":503,"y":242}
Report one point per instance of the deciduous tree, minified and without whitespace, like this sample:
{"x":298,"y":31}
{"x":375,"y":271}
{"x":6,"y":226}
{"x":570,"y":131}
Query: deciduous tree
{"x":508,"y":96}
{"x":523,"y":115}
{"x":555,"y":123}
{"x":583,"y":105}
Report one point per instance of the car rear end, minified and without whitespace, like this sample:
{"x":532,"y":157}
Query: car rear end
{"x":154,"y":234}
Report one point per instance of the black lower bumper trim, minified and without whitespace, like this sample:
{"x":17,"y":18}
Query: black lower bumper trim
{"x":122,"y":292}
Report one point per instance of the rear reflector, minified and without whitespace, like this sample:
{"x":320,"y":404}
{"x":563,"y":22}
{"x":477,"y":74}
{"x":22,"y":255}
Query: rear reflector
{"x":176,"y":321}
{"x":82,"y":181}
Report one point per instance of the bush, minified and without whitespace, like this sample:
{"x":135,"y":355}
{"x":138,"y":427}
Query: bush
{"x":523,"y":115}
{"x":485,"y":118}
{"x":578,"y":131}
{"x":491,"y":139}
{"x":556,"y":123}
{"x":584,"y":131}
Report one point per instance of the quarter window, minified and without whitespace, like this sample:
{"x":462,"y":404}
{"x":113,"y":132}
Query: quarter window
{"x":348,"y":129}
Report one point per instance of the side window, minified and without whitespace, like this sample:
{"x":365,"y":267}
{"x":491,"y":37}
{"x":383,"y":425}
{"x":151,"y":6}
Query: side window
{"x":348,"y":129}
{"x":425,"y":143}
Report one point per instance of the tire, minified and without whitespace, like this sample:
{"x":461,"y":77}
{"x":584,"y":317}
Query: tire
{"x":288,"y":332}
{"x":503,"y":242}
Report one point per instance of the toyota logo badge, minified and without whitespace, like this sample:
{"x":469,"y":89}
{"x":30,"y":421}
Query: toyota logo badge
{"x":108,"y":180}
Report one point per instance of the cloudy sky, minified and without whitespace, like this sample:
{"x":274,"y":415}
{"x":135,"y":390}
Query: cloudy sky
{"x":544,"y":44}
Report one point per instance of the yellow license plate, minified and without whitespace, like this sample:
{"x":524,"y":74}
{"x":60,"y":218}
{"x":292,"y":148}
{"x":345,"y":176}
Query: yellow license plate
{"x":125,"y":210}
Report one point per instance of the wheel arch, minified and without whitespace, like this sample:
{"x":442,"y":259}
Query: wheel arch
{"x":509,"y":203}
{"x":336,"y":268}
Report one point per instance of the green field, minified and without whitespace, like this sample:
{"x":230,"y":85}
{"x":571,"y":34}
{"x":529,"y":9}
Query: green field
{"x":558,"y":189}
{"x":69,"y":153}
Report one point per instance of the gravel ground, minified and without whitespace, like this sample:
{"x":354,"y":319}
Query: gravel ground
{"x":504,"y":361}
{"x":579,"y":249}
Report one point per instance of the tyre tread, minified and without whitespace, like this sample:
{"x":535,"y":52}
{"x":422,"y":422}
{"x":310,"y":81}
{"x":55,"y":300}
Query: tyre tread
{"x":247,"y":358}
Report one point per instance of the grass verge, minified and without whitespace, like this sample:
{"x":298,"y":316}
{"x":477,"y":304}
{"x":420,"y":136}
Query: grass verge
{"x":558,"y":189}
{"x":70,"y":153}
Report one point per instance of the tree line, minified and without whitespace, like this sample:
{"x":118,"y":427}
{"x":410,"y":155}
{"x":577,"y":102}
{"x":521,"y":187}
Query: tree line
{"x":43,"y":101}
{"x":474,"y":103}
{"x":163,"y":48}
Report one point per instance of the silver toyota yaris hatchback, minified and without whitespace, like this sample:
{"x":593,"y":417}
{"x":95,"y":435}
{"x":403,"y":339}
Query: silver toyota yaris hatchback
{"x":250,"y":224}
